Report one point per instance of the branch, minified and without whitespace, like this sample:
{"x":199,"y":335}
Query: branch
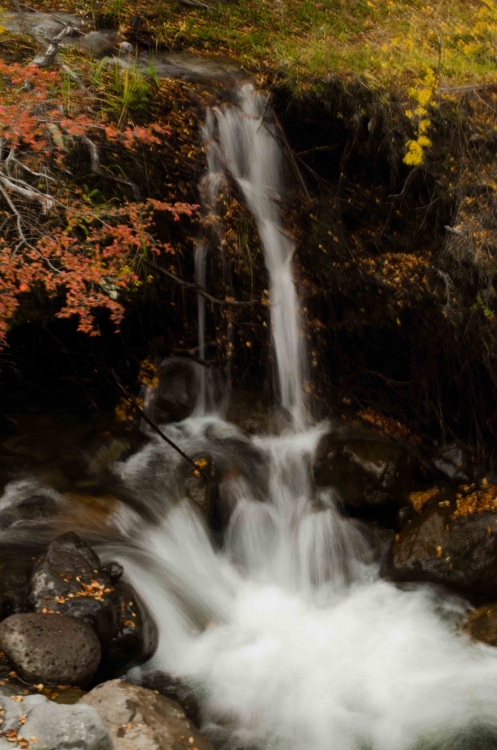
{"x":22,"y":236}
{"x":96,"y":168}
{"x":27,"y":191}
{"x":199,"y":289}
{"x":156,"y":429}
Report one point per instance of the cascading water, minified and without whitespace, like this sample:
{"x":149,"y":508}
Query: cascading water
{"x":284,"y":627}
{"x":242,"y":140}
{"x":289,"y":633}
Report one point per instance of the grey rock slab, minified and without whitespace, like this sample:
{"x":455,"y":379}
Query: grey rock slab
{"x":49,"y":726}
{"x":51,"y":649}
{"x":140,"y":719}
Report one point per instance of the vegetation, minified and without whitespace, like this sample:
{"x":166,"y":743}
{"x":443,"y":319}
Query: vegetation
{"x":385,"y":42}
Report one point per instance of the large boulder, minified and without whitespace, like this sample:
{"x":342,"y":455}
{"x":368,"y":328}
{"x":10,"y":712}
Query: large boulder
{"x":174,"y":396}
{"x":140,"y":719}
{"x":35,"y":722}
{"x":69,"y":580}
{"x":453,"y":542}
{"x":50,"y":649}
{"x":366,"y":471}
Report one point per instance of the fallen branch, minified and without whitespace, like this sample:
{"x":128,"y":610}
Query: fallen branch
{"x":199,"y":289}
{"x":159,"y":432}
{"x":48,"y":57}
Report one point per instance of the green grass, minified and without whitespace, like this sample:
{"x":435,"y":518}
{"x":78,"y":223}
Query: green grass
{"x":384,"y":42}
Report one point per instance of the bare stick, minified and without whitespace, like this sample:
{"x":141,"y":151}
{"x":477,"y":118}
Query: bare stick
{"x":156,"y":429}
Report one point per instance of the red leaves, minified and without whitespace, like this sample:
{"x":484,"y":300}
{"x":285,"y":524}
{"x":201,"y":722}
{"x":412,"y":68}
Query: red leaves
{"x":90,"y":254}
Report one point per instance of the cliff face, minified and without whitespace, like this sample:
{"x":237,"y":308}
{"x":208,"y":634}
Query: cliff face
{"x":386,"y":112}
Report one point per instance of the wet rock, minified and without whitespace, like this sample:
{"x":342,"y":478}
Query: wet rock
{"x":68,"y":579}
{"x":365,"y":471}
{"x":137,"y":636}
{"x":139,"y":719}
{"x":14,"y":586}
{"x":201,"y":492}
{"x":481,"y":624}
{"x":453,"y":462}
{"x":26,"y":500}
{"x":114,"y":570}
{"x":51,"y":649}
{"x":49,"y":726}
{"x":102,"y":43}
{"x":174,"y":688}
{"x":175,"y":395}
{"x":453,"y":542}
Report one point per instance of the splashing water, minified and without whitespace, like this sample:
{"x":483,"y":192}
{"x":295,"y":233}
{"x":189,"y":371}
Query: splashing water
{"x":287,"y":631}
{"x":291,"y":636}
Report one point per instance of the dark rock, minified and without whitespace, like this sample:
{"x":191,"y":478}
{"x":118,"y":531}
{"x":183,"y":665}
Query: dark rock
{"x":139,"y":719}
{"x":448,"y":545}
{"x":481,"y":624}
{"x":453,"y":462}
{"x":14,"y":586}
{"x":69,"y":579}
{"x":50,"y":649}
{"x":174,"y":688}
{"x":202,"y":493}
{"x":137,"y":636}
{"x":365,"y":472}
{"x":175,"y":396}
{"x":114,"y":570}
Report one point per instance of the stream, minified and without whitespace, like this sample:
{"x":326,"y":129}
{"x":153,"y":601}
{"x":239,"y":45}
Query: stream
{"x":288,"y":628}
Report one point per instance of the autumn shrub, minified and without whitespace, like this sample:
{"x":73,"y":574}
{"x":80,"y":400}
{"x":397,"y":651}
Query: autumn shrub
{"x":54,"y":235}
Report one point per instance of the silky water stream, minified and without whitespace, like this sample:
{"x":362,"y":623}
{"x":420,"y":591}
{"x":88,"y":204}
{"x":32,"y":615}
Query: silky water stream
{"x":284,"y":626}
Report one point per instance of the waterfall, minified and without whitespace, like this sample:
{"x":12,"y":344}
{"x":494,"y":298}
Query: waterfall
{"x":278,"y":617}
{"x":243,"y":141}
{"x":200,"y":262}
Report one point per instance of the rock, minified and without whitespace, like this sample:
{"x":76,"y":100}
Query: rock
{"x":139,"y":719}
{"x":54,"y":727}
{"x":14,"y":586}
{"x":174,"y":688}
{"x":50,"y":649}
{"x":202,"y":493}
{"x":114,"y":570}
{"x":70,"y":580}
{"x":27,"y":500}
{"x":481,"y":624}
{"x":365,"y":471}
{"x":452,"y":461}
{"x":175,"y":396}
{"x":137,"y":636}
{"x":453,"y":542}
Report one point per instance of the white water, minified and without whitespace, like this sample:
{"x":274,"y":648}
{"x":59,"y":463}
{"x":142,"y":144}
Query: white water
{"x":243,"y":141}
{"x":291,"y":636}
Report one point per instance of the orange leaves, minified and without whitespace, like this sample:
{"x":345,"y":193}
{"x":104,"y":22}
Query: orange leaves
{"x":89,"y":254}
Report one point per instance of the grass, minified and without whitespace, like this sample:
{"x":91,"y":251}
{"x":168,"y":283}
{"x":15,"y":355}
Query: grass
{"x":385,"y":43}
